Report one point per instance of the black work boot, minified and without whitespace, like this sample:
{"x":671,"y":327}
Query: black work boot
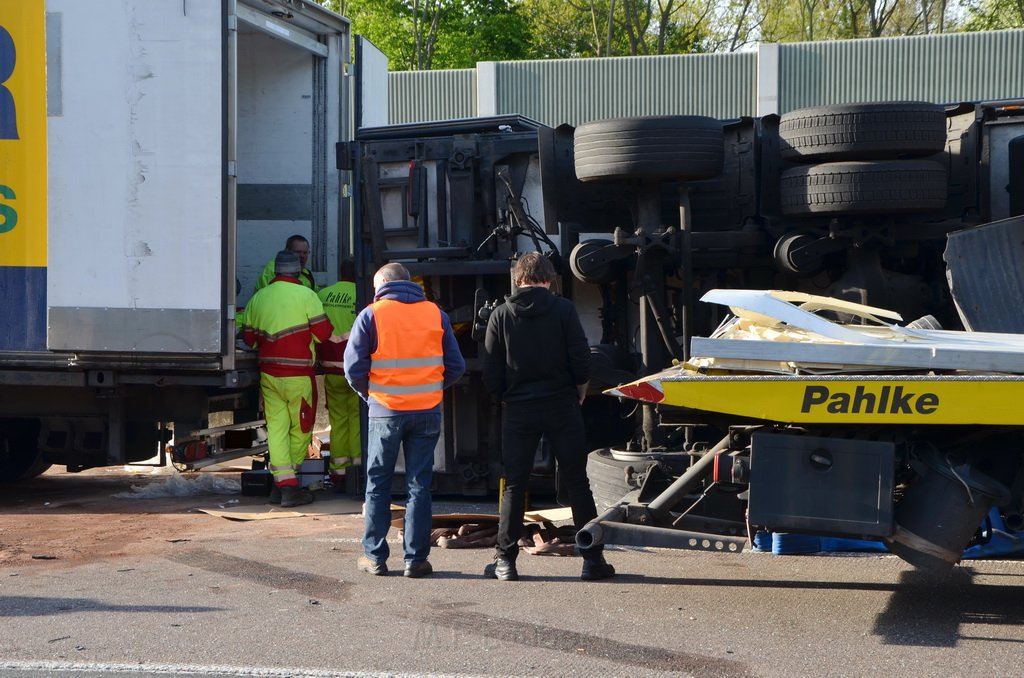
{"x":595,"y":567}
{"x":295,"y":496}
{"x":419,"y":569}
{"x":275,"y":495}
{"x":502,"y":569}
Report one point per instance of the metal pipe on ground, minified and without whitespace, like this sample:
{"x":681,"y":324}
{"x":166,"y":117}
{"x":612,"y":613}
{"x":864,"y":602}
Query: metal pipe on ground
{"x":594,"y":533}
{"x":602,"y":531}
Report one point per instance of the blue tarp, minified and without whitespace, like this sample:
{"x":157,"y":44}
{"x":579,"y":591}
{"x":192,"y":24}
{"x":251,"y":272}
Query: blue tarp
{"x":1003,"y":542}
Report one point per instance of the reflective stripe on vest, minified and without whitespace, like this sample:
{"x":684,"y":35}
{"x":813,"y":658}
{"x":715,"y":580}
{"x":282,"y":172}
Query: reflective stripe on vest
{"x":401,"y":390}
{"x":274,"y":360}
{"x":409,"y":362}
{"x":407,"y":369}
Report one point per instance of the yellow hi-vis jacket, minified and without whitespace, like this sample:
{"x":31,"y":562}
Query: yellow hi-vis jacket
{"x":282,"y":321}
{"x":339,"y":302}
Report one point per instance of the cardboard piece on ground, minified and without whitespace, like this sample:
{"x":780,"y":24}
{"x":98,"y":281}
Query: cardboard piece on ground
{"x":549,"y":515}
{"x":448,"y":519}
{"x":320,"y":507}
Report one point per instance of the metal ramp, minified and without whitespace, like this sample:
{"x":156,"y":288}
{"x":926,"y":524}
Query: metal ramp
{"x":209,"y":446}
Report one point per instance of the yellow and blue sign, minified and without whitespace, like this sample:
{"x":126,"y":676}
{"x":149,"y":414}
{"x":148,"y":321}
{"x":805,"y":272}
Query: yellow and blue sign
{"x":23,"y":173}
{"x":22,"y":134}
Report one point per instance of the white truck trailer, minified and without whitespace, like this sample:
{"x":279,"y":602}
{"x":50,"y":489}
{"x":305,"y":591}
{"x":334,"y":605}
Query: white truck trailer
{"x":155,"y":155}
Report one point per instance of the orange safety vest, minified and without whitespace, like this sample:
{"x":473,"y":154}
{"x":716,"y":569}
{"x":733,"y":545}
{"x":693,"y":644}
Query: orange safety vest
{"x":407,"y":369}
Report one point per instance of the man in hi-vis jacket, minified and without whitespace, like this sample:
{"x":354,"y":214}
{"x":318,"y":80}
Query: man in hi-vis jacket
{"x":401,"y":354}
{"x":282,"y":321}
{"x":339,"y":302}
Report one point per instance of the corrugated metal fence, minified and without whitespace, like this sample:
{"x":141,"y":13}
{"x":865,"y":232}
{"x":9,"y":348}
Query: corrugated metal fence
{"x":577,"y":90}
{"x":776,"y":78}
{"x":418,"y":96}
{"x":939,"y":68}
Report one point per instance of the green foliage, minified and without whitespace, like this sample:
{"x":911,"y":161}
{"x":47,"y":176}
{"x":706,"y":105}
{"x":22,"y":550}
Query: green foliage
{"x":810,"y":20}
{"x":560,"y":30}
{"x":486,"y":30}
{"x":987,"y":15}
{"x":589,"y":28}
{"x":438,"y":34}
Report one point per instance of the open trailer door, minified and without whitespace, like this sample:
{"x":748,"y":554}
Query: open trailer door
{"x":135,"y":177}
{"x":371,"y":85}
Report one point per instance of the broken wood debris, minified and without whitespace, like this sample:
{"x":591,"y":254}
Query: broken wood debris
{"x":774,"y":331}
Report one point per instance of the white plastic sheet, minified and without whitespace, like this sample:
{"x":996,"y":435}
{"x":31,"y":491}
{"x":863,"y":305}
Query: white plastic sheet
{"x":184,"y":486}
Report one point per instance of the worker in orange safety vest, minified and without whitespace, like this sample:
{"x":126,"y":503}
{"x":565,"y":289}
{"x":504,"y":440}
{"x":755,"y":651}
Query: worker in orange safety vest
{"x":282,"y":322}
{"x":339,"y":302}
{"x":401,"y":354}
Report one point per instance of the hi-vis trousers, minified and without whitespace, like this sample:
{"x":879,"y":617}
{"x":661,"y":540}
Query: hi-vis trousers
{"x":343,"y":412}
{"x":289,"y":406}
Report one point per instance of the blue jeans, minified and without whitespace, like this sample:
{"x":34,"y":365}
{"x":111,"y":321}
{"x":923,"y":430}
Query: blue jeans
{"x":417,"y":434}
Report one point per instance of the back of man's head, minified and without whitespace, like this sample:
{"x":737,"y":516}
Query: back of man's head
{"x":287,"y":263}
{"x":390,"y":272}
{"x":532,"y":268}
{"x":347,"y":270}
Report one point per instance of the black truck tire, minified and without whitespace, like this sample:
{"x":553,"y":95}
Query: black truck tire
{"x":887,"y":187}
{"x":611,"y":479}
{"x":659,"y":147}
{"x":20,"y":457}
{"x":877,"y":131}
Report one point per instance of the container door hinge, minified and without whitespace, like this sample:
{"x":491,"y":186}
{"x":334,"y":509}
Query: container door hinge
{"x":344,"y":154}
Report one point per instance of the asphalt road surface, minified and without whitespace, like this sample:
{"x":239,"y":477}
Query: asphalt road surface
{"x":91,"y":584}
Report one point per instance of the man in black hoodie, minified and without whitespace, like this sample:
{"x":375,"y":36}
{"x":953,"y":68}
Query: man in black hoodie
{"x":537,"y":363}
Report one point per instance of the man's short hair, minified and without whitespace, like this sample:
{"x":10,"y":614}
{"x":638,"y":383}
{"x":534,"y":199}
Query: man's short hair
{"x":389,"y":272}
{"x":532,"y":268}
{"x":294,"y":239}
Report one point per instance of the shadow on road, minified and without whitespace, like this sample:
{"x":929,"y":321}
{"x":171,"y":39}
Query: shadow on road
{"x":36,"y":606}
{"x":928,"y":612}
